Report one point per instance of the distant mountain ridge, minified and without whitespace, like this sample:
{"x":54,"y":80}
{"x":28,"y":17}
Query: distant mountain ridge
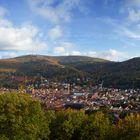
{"x":61,"y":59}
{"x":116,"y":74}
{"x":75,"y":59}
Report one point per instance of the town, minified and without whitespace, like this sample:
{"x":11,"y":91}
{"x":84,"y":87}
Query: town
{"x":57,"y":96}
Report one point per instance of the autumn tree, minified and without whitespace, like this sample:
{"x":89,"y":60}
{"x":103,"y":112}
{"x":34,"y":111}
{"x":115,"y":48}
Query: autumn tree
{"x":129,"y":127}
{"x":96,"y":127}
{"x":67,"y":125}
{"x":21,"y":118}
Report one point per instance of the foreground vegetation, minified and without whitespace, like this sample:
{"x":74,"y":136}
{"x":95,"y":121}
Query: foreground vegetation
{"x":23,"y":118}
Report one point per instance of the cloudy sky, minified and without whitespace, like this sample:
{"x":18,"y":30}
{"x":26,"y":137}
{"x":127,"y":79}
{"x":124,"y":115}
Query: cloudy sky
{"x":108,"y":29}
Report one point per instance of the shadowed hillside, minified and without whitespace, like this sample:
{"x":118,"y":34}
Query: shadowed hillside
{"x":114,"y":74}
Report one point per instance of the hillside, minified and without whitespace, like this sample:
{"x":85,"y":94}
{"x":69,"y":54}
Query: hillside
{"x":47,"y":66}
{"x":33,"y":65}
{"x":67,"y":68}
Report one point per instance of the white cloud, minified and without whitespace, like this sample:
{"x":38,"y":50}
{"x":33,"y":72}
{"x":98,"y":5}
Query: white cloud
{"x":132,"y":8}
{"x":111,"y":54}
{"x":64,"y":48}
{"x":138,"y":26}
{"x":55,"y":33}
{"x":4,"y":22}
{"x":135,"y":3}
{"x":23,"y":38}
{"x":3,"y":11}
{"x":134,"y":15}
{"x":54,"y":10}
{"x":67,"y":45}
{"x":130,"y":34}
{"x":59,"y":50}
{"x":76,"y":53}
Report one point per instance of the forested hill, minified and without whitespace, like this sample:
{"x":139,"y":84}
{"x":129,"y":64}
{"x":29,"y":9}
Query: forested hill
{"x":116,"y":74}
{"x":66,"y":68}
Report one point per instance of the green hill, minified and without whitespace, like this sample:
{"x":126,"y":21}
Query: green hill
{"x":65,"y":68}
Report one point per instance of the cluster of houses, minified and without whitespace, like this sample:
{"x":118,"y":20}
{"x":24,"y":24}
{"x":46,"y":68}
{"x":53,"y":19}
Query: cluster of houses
{"x":63,"y":95}
{"x":117,"y":100}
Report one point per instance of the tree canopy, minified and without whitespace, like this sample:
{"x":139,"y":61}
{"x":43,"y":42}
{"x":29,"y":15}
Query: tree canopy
{"x":23,"y":118}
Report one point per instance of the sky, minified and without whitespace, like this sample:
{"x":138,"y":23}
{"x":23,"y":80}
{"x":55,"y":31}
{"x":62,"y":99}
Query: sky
{"x":108,"y":29}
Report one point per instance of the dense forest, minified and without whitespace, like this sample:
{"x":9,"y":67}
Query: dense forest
{"x":23,"y":118}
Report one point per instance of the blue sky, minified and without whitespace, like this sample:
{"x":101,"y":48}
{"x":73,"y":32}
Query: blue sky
{"x":108,"y":29}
